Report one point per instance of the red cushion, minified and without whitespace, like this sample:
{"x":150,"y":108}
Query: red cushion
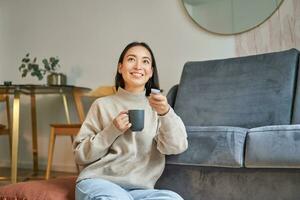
{"x":58,"y":189}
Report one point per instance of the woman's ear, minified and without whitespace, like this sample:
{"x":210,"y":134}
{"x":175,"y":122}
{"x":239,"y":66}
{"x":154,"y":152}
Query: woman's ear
{"x":151,"y":72}
{"x":119,"y":68}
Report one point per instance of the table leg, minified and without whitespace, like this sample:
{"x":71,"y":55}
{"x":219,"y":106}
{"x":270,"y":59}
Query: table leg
{"x":34,"y":135}
{"x":66,"y":107}
{"x":15,"y":137}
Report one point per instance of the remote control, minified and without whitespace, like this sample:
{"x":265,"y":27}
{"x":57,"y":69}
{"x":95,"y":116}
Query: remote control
{"x":155,"y":91}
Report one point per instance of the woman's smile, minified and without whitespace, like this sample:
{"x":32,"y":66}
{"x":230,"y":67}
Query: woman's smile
{"x":136,"y":74}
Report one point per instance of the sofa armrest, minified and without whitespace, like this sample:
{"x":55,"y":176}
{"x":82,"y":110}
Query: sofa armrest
{"x":217,"y":146}
{"x":172,"y":95}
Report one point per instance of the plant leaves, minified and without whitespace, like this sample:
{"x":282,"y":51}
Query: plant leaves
{"x":54,"y":64}
{"x":32,"y":67}
{"x":29,"y":66}
{"x":46,"y":64}
{"x":22,"y":66}
{"x":24,"y":59}
{"x":39,"y":75}
{"x":24,"y":73}
{"x":35,"y":67}
{"x":51,"y":59}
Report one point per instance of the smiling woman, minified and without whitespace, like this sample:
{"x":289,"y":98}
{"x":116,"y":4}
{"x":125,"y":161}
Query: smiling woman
{"x":230,"y":16}
{"x":116,"y":150}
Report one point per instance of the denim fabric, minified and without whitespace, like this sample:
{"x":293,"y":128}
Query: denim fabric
{"x":92,"y":189}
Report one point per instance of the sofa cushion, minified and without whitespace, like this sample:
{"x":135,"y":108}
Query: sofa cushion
{"x":54,"y":189}
{"x":212,"y":146}
{"x":244,"y":92}
{"x":273,"y":147}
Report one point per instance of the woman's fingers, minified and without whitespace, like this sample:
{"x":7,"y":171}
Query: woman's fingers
{"x":122,"y":121}
{"x":157,"y":97}
{"x":159,"y":103}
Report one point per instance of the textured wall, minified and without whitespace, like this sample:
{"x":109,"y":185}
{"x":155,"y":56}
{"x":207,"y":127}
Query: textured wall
{"x":281,"y":31}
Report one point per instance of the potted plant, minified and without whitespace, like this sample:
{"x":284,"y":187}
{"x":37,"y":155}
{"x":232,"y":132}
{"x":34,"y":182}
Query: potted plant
{"x":50,"y":66}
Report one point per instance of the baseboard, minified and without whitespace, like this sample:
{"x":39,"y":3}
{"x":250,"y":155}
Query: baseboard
{"x":42,"y":166}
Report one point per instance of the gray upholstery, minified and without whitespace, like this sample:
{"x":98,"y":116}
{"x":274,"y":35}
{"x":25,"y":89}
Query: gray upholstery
{"x":216,"y":183}
{"x":213,"y":146}
{"x":296,"y":108}
{"x":172,"y":93}
{"x":273,"y":147}
{"x":240,"y":92}
{"x":243,"y":121}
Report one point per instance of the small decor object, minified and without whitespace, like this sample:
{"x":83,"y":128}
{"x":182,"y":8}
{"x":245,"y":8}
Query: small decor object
{"x":7,"y":83}
{"x":56,"y":79}
{"x":51,"y":65}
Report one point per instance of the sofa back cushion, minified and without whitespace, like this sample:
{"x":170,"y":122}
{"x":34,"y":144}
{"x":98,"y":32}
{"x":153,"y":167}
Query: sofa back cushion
{"x":296,"y":107}
{"x":242,"y":92}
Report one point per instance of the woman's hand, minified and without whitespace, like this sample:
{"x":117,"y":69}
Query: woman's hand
{"x":121,"y":122}
{"x":159,"y":103}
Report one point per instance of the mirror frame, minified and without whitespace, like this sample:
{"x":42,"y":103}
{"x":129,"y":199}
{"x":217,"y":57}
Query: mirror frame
{"x":235,"y":33}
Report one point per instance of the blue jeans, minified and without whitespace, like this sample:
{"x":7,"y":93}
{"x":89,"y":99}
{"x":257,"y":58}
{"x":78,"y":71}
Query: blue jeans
{"x":92,"y":189}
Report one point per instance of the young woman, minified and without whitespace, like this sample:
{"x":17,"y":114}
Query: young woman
{"x":118,"y":163}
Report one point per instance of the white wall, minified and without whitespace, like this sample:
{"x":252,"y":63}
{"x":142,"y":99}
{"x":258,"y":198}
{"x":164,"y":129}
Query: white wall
{"x":88,"y":37}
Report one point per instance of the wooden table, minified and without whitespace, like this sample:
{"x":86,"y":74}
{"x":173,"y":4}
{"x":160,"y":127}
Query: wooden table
{"x":32,"y":91}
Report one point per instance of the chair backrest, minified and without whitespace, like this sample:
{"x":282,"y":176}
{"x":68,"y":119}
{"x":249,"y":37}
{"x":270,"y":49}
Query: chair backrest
{"x":247,"y":91}
{"x":5,"y":99}
{"x":92,"y":95}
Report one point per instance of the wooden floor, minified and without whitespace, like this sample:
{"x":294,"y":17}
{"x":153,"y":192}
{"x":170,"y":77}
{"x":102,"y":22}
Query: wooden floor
{"x":27,"y":175}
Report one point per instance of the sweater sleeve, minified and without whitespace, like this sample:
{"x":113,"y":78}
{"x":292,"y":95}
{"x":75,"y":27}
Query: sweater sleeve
{"x":93,"y":140}
{"x":172,"y":136}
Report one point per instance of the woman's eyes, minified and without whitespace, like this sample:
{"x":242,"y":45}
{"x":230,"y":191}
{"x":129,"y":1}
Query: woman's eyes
{"x":130,"y":59}
{"x":146,"y":62}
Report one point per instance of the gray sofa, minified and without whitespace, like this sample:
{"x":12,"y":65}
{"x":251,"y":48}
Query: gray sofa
{"x":242,"y":117}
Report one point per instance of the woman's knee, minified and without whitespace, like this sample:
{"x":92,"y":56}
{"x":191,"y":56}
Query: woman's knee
{"x":155,"y":194}
{"x":92,"y":189}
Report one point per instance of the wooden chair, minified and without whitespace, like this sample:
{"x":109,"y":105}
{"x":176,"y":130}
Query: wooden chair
{"x":6,"y":129}
{"x":73,"y":129}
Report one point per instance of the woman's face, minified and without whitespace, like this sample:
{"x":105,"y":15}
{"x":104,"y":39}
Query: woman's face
{"x":136,"y":68}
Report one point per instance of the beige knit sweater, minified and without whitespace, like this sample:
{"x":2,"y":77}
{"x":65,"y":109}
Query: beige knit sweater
{"x":130,"y":159}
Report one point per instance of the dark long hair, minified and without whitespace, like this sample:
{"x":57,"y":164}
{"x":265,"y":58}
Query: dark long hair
{"x":152,"y":82}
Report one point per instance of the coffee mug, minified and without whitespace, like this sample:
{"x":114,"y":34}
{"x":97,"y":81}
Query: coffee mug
{"x":136,"y":118}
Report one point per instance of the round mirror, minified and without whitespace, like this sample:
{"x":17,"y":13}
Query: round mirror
{"x":230,"y":16}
